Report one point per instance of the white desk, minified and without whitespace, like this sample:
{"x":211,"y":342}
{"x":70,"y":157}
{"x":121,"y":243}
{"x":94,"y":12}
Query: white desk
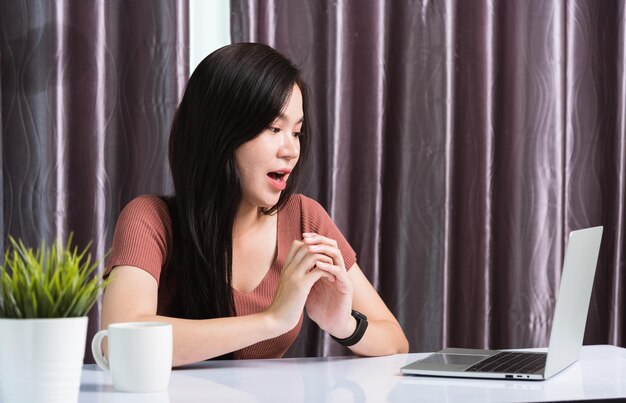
{"x":600,"y":374}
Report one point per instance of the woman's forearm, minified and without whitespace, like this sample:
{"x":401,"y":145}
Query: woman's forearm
{"x":194,"y":340}
{"x":382,"y":337}
{"x":199,"y":340}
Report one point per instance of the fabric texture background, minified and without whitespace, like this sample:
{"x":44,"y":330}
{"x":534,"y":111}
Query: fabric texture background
{"x":89,"y":89}
{"x":456,"y":145}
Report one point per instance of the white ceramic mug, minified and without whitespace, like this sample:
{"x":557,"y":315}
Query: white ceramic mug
{"x":140,"y":355}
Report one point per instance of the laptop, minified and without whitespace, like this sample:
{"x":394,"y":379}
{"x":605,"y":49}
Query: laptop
{"x":566,"y":336}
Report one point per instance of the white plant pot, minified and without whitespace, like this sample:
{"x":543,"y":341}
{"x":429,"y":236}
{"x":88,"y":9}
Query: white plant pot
{"x":41,"y":359}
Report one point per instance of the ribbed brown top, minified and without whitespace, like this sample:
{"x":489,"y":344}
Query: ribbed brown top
{"x":143,"y":236}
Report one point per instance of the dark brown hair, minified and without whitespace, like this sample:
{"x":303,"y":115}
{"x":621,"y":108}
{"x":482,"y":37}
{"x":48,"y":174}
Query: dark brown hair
{"x":234,"y":94}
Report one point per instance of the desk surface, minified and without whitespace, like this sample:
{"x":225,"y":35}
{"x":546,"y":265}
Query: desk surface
{"x":599,"y":374}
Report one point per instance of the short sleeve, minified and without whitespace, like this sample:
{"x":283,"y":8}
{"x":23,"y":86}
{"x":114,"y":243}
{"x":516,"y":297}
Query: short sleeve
{"x":316,"y":219}
{"x":142,"y":236}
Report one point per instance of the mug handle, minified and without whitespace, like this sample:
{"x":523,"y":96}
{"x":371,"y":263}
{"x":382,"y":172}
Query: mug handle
{"x":96,"y":350}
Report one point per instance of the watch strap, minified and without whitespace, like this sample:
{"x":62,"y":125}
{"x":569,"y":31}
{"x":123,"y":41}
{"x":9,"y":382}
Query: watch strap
{"x":361,"y":326}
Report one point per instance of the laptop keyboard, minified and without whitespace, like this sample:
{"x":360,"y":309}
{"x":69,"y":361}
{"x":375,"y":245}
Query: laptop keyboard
{"x":511,"y":362}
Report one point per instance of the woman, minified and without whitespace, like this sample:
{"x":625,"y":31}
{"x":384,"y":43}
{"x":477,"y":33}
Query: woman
{"x":234,"y":257}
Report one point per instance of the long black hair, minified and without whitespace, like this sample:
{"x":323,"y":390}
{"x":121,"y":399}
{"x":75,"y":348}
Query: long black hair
{"x":234,"y":94}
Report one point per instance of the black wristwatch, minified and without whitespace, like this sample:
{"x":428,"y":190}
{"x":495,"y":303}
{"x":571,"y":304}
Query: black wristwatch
{"x":361,"y":325}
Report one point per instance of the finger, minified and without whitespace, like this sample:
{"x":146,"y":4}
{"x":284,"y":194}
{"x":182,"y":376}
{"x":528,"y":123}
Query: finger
{"x":325,"y":259}
{"x":334,"y":270}
{"x":308,"y":262}
{"x":326,"y":275}
{"x":295,"y":245}
{"x":300,"y":253}
{"x":303,"y":262}
{"x":311,"y":238}
{"x":313,"y":277}
{"x":328,"y":250}
{"x":338,"y":273}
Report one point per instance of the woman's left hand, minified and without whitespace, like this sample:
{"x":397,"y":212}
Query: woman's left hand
{"x":329,"y":303}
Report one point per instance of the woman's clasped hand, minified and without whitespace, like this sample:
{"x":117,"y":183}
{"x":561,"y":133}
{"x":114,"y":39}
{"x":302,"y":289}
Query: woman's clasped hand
{"x":314,"y":277}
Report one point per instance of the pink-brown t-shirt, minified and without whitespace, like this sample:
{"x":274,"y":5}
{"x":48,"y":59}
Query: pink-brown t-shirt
{"x":143,"y":238}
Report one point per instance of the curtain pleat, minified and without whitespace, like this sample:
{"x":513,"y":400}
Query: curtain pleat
{"x":594,"y":153}
{"x":456,"y":144}
{"x":89,"y":89}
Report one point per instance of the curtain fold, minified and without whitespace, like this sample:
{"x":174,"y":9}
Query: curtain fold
{"x":89,"y":89}
{"x":456,"y":145}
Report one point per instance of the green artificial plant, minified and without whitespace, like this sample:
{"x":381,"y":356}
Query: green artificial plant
{"x":50,"y":282}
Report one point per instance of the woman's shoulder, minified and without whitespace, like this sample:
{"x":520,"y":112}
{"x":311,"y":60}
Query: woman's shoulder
{"x":311,"y":206}
{"x":142,"y":235}
{"x":303,"y":202}
{"x":149,"y":209}
{"x":146,"y":202}
{"x":311,"y":213}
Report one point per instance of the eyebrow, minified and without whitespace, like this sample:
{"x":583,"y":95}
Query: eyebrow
{"x":284,"y":118}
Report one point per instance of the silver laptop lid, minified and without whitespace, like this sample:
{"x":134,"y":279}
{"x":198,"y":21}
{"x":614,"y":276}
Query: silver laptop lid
{"x":572,"y":303}
{"x":568,"y":325}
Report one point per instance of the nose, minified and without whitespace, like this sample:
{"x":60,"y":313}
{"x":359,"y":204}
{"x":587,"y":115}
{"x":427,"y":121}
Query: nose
{"x":289,"y":146}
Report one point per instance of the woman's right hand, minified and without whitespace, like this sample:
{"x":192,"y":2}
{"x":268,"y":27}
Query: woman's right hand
{"x":299,"y":274}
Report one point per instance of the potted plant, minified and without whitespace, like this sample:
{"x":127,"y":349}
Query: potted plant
{"x":45,"y":295}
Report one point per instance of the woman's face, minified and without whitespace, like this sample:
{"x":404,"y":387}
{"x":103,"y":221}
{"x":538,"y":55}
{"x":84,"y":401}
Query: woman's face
{"x":265,"y":162}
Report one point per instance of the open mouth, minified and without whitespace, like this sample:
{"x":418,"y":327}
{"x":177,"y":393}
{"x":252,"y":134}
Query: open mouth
{"x":278,"y":179}
{"x":277,"y":176}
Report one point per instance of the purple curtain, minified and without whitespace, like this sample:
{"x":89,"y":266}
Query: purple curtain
{"x":456,"y":145}
{"x":89,"y":88}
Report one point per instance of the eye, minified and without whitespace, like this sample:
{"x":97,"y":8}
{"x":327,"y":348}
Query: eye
{"x":274,"y":130}
{"x":298,"y":134}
